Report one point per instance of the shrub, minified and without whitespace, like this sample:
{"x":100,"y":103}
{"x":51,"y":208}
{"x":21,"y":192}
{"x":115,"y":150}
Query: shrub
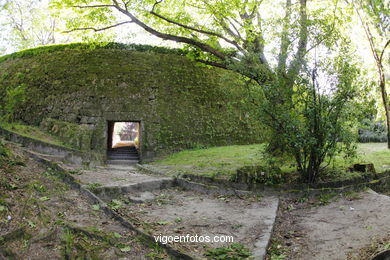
{"x":313,"y":121}
{"x":15,"y":96}
{"x":372,"y":131}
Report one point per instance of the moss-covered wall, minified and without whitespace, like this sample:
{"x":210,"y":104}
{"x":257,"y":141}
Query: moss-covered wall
{"x":179,"y":104}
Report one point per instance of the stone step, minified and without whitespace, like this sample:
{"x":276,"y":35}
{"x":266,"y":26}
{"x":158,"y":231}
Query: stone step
{"x":122,"y":162}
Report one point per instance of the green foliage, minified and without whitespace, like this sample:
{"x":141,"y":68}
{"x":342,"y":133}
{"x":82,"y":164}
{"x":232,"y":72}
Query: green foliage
{"x":372,"y":131}
{"x":76,"y":245}
{"x":27,"y":23}
{"x":93,"y":186}
{"x":33,"y":132}
{"x":235,"y":251}
{"x":296,"y":109}
{"x":276,"y":250}
{"x":326,"y":198}
{"x":96,"y":207}
{"x":115,"y":204}
{"x":311,"y":122}
{"x":15,"y":96}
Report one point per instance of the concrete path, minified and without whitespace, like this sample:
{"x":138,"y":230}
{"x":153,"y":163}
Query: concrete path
{"x":250,"y":220}
{"x":115,"y":176}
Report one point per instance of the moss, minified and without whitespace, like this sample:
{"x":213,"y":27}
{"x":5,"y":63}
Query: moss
{"x":90,"y":46}
{"x":77,"y":136}
{"x":34,"y":133}
{"x":180,"y":104}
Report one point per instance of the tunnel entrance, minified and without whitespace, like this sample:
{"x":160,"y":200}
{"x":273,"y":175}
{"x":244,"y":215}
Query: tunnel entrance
{"x":123,"y":141}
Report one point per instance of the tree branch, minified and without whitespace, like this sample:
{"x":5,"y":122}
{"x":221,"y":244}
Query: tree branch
{"x":92,"y":6}
{"x":212,"y":63}
{"x":165,"y":36}
{"x":99,"y":29}
{"x":383,"y":51}
{"x":193,"y":28}
{"x":155,"y":4}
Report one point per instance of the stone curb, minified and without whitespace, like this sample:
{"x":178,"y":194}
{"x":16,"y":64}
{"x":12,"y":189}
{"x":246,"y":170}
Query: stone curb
{"x":71,"y":181}
{"x":260,"y":250}
{"x":284,"y":189}
{"x":72,"y":155}
{"x":198,"y":187}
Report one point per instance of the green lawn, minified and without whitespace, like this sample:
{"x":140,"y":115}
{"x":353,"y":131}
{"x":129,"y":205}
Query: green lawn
{"x":214,"y":161}
{"x":376,"y":153}
{"x":34,"y":133}
{"x":224,"y":161}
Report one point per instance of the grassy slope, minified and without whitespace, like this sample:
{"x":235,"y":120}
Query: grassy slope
{"x":224,"y":161}
{"x":42,"y":218}
{"x":34,"y":133}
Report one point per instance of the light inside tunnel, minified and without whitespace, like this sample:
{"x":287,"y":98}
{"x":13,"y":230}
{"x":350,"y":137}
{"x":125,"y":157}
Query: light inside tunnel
{"x":125,"y":134}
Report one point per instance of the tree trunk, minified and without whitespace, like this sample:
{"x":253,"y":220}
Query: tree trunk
{"x":382,"y":85}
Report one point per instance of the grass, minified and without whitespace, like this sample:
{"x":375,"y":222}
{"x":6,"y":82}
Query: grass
{"x":34,"y":133}
{"x":224,"y":161}
{"x":376,"y":153}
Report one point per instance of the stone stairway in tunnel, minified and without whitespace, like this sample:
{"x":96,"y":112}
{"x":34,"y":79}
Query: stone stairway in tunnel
{"x":123,"y":155}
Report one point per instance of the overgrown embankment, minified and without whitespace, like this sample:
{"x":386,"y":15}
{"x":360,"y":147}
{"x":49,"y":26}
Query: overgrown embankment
{"x":42,"y":218}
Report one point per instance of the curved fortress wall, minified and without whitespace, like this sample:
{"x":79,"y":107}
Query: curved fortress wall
{"x":179,"y":104}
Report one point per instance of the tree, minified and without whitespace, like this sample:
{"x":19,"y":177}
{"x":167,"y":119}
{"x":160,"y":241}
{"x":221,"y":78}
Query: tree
{"x":223,"y":34}
{"x":377,"y":18}
{"x":317,"y":124}
{"x":266,"y":41}
{"x":31,"y":23}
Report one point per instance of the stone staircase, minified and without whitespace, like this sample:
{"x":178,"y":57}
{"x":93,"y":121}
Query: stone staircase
{"x":123,"y":155}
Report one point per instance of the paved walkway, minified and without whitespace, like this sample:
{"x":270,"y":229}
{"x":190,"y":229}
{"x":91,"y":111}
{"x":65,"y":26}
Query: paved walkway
{"x":249,"y":220}
{"x":115,"y":176}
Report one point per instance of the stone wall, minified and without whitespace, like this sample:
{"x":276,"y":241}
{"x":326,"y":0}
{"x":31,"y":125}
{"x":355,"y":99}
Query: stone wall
{"x":180,"y":104}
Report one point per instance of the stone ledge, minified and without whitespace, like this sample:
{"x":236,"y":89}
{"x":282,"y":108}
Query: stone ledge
{"x":67,"y":154}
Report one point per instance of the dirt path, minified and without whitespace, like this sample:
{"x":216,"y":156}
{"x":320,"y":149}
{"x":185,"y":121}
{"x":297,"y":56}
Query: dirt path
{"x":160,"y":206}
{"x":336,"y":231}
{"x":177,"y":212}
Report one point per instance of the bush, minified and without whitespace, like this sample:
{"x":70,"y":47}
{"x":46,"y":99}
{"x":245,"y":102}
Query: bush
{"x":372,"y":131}
{"x":312,"y":121}
{"x":15,"y":96}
